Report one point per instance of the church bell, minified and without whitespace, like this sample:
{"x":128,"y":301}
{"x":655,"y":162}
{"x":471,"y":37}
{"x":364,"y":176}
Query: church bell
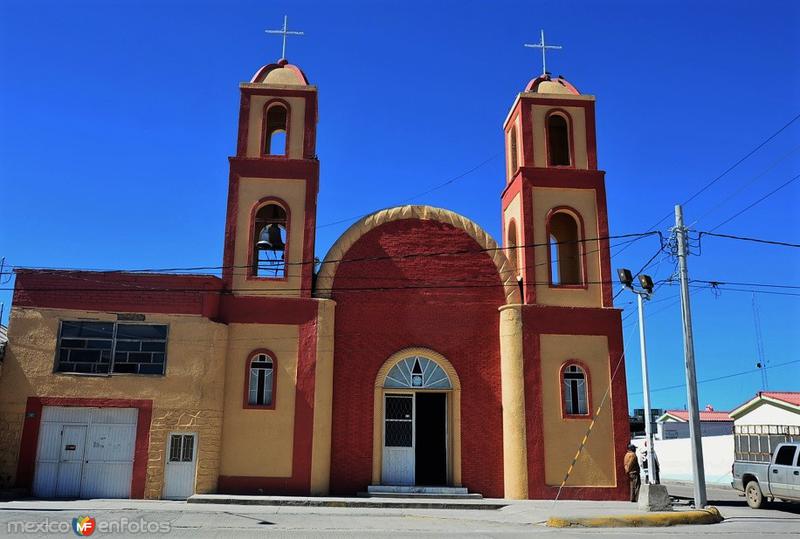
{"x":270,"y":239}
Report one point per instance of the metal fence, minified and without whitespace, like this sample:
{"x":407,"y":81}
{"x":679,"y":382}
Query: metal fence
{"x":755,"y":443}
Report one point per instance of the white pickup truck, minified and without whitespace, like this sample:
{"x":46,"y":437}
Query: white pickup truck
{"x":767,"y":481}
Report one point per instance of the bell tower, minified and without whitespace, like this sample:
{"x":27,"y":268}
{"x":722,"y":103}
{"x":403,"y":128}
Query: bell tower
{"x":273,"y":185}
{"x":554,"y":203}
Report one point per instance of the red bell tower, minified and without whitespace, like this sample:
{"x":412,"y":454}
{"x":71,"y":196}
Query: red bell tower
{"x":273,"y":185}
{"x":554,"y":202}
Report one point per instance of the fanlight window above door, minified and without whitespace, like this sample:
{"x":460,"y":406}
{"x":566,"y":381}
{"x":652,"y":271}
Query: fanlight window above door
{"x":417,"y":372}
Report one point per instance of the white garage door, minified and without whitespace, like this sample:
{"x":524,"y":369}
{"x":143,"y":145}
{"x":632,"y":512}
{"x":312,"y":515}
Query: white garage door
{"x":85,"y":452}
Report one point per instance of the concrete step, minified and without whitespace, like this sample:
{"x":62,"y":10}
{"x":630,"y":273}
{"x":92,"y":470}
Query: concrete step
{"x":396,"y":491}
{"x":421,"y":495}
{"x":364,"y":503}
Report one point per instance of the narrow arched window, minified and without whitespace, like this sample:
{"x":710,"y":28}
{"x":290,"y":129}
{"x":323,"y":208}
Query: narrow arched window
{"x":275,"y":128}
{"x":558,"y":140}
{"x":269,"y":242}
{"x":575,"y":391}
{"x":513,"y":151}
{"x":261,"y":380}
{"x":514,"y":254}
{"x":566,"y":250}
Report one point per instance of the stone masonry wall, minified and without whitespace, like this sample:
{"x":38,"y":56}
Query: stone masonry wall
{"x":10,"y":434}
{"x":207,"y":424}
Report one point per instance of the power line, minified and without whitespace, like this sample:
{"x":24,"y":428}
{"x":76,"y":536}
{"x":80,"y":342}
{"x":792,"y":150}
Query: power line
{"x":725,"y":283}
{"x":276,"y":292}
{"x":737,"y":214}
{"x":747,"y":184}
{"x":717,"y":378}
{"x":358,"y":259}
{"x":418,"y":195}
{"x":745,"y":238}
{"x":719,"y":177}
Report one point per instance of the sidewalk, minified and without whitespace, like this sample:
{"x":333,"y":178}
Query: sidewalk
{"x":564,"y":513}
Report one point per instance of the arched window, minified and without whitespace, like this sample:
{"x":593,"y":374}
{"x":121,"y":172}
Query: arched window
{"x":575,"y":390}
{"x":261,"y":380}
{"x":513,"y":150}
{"x":566,"y":249}
{"x":558,"y":140}
{"x":514,"y":252}
{"x":417,"y":372}
{"x":269,"y":241}
{"x":275,"y":128}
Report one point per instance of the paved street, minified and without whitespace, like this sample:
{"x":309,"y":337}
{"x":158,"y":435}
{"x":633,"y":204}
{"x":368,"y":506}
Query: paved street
{"x":517,"y":519}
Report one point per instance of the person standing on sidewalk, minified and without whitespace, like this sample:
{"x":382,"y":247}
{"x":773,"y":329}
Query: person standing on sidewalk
{"x":631,"y":464}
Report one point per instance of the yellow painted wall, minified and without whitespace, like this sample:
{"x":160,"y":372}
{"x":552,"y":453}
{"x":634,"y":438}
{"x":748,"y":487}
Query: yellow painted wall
{"x":323,"y":399}
{"x":583,"y":201}
{"x":258,"y":442}
{"x":580,"y":159}
{"x":251,"y":190}
{"x":188,"y":397}
{"x":296,"y":128}
{"x":562,"y":437}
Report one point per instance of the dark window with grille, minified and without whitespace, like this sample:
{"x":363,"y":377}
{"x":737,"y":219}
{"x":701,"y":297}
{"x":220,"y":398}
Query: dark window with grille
{"x":111,"y":348}
{"x":181,"y":448}
{"x":398,"y":431}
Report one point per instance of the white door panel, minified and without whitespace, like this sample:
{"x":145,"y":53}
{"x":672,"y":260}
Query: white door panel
{"x":398,"y":440}
{"x":179,"y":472}
{"x":85,"y":452}
{"x":73,"y":441}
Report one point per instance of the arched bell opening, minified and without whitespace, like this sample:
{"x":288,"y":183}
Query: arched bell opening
{"x":270,"y":237}
{"x":417,"y":435}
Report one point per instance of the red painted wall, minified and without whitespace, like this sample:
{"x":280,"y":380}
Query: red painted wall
{"x":453,"y":311}
{"x":117,"y":291}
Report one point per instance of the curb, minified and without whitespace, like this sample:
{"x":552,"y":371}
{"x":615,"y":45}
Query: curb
{"x":363,"y":503}
{"x":709,"y":515}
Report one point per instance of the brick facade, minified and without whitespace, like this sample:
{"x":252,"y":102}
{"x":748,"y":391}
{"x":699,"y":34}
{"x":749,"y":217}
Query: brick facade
{"x":460,"y":322}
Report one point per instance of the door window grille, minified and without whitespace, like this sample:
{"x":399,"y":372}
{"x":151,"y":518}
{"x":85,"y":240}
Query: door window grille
{"x":398,"y":431}
{"x":181,"y":448}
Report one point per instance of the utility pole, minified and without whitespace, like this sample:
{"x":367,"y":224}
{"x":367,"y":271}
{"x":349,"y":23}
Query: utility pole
{"x":688,"y":353}
{"x":626,"y":278}
{"x":648,"y":425}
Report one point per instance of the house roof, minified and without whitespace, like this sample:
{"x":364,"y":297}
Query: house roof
{"x":785,"y":399}
{"x":683,"y":416}
{"x":791,"y":397}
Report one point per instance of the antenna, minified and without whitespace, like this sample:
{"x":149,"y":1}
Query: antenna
{"x":762,"y":360}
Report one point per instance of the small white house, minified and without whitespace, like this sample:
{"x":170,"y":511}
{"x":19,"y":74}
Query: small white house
{"x":760,"y":424}
{"x":674,"y":424}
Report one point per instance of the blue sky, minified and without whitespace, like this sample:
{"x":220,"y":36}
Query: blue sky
{"x":117,"y":119}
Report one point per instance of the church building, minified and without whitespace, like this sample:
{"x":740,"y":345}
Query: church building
{"x":420,"y":352}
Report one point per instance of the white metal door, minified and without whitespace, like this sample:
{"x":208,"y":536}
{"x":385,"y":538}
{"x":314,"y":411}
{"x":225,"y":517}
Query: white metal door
{"x":73,"y":443}
{"x":180,"y":468}
{"x":85,"y":452}
{"x":398,"y":440}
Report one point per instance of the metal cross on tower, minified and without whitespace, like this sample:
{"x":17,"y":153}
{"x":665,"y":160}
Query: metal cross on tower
{"x":285,"y":32}
{"x":541,"y":45}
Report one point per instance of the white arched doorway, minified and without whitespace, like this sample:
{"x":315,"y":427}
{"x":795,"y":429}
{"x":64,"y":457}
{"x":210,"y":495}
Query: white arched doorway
{"x":417,"y":421}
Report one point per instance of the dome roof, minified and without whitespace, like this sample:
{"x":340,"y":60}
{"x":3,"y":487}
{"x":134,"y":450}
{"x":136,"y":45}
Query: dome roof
{"x":280,"y":73}
{"x":544,"y":84}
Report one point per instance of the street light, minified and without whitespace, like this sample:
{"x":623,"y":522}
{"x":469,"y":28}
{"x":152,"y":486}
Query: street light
{"x":626,"y":278}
